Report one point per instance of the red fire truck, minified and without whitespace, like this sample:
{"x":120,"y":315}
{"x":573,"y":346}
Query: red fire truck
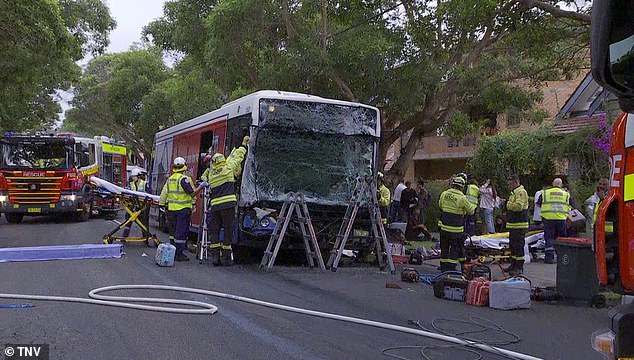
{"x":38,"y":176}
{"x":612,"y":44}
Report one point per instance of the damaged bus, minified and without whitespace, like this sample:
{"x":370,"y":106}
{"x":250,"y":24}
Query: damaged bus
{"x":298,"y":143}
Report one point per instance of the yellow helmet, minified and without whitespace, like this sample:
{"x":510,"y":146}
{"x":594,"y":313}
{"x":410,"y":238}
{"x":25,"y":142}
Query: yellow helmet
{"x":218,"y":158}
{"x":458,"y":181}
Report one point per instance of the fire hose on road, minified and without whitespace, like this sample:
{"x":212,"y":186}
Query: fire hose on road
{"x":96,"y":298}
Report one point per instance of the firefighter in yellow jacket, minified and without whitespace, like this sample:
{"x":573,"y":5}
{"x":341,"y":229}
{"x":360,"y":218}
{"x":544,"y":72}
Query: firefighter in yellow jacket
{"x":222,"y":194}
{"x":516,"y":223}
{"x":383,"y":197}
{"x":180,"y":195}
{"x":454,"y":205}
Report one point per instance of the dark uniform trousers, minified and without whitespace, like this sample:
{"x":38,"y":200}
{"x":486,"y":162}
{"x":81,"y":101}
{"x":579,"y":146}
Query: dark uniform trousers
{"x":180,"y":224}
{"x":224,"y":218}
{"x":451,"y":244}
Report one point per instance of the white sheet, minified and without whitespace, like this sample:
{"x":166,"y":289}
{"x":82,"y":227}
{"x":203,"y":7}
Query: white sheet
{"x":501,"y":241}
{"x":118,"y":190}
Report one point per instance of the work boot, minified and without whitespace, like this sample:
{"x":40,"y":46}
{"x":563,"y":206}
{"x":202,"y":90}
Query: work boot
{"x":180,"y":256}
{"x":214,"y":254}
{"x":226,"y":260}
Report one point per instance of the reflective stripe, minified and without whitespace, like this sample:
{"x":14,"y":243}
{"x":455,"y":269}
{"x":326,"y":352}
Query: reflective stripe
{"x":628,"y":186}
{"x":226,"y":247}
{"x":224,"y":199}
{"x":451,"y":261}
{"x":463,"y":259}
{"x":518,"y":257}
{"x":180,"y":241}
{"x":451,"y":229}
{"x":215,"y":246}
{"x":521,"y":225}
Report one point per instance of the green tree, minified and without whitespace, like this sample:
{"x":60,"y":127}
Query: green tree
{"x":110,"y":96}
{"x":535,"y":154}
{"x":422,"y":62}
{"x":41,"y":40}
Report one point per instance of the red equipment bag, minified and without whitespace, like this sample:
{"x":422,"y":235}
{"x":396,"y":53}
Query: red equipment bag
{"x":478,"y":292}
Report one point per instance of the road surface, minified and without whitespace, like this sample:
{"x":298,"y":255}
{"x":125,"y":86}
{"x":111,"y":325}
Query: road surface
{"x":244,"y":331}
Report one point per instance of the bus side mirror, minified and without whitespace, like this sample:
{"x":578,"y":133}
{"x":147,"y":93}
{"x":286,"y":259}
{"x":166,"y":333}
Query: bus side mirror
{"x":612,"y":45}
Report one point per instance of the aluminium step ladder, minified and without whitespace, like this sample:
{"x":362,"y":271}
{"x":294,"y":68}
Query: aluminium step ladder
{"x":294,"y":205}
{"x":365,"y":188}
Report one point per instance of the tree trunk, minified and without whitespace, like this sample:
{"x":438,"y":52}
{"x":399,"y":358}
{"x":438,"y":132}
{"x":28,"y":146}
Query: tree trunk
{"x":404,"y":161}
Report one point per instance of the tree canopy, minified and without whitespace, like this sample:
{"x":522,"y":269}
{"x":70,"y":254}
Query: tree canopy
{"x":41,"y":40}
{"x":110,"y":96}
{"x":424,"y":63}
{"x":427,"y":64}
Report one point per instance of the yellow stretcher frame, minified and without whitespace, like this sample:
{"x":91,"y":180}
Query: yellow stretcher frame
{"x":135,"y":207}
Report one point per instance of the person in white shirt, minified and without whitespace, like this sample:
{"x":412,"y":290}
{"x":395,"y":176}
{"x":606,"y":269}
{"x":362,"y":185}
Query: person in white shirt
{"x":487,"y":204}
{"x":396,"y":214}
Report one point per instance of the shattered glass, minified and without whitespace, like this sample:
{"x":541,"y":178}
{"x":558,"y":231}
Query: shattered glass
{"x":318,"y":149}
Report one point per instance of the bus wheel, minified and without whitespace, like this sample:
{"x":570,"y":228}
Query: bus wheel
{"x":14,"y":218}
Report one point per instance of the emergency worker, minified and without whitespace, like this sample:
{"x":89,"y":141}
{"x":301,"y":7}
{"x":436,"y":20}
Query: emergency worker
{"x":454,"y":205}
{"x":180,"y":195}
{"x":383,"y":197}
{"x":473,"y":194}
{"x":136,"y":184}
{"x":516,"y":223}
{"x":555,"y":205}
{"x":222,"y":194}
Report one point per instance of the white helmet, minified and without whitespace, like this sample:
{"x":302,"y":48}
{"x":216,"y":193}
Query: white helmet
{"x":135,"y":172}
{"x":179,"y":161}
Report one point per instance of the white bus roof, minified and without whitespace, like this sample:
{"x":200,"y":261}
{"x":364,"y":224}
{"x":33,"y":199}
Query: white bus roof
{"x":244,"y":105}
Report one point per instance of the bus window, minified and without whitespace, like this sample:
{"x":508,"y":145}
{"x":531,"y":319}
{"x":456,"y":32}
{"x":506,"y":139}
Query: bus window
{"x":238,"y":128}
{"x":206,"y":142}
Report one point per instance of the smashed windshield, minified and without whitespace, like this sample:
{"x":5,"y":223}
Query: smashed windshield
{"x":316,"y":148}
{"x":36,"y":156}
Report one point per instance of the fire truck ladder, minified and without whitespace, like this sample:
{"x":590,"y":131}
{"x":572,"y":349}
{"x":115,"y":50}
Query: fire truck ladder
{"x":294,"y":204}
{"x":365,"y":188}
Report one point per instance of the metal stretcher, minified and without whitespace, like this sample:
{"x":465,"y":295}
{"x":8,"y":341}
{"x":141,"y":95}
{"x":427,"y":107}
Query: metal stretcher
{"x":136,"y":204}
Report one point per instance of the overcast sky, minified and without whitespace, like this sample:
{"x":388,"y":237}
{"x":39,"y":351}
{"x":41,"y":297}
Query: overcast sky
{"x":131,"y":16}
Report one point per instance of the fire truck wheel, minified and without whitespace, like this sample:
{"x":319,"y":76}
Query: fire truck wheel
{"x":84,"y":215}
{"x":14,"y":218}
